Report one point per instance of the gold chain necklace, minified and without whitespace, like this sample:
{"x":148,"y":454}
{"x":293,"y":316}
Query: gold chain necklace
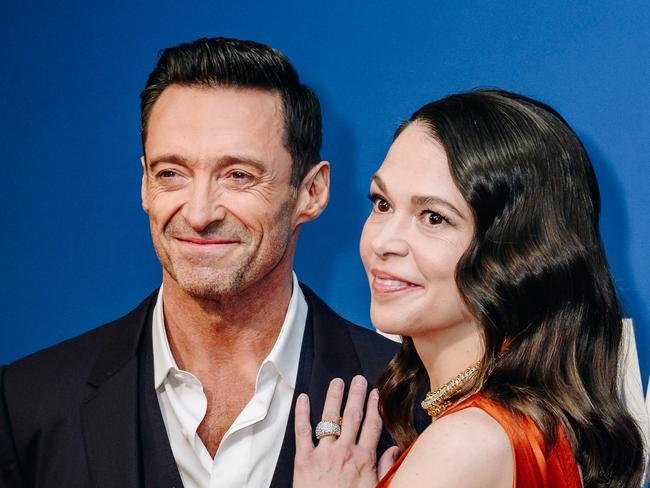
{"x":436,"y":402}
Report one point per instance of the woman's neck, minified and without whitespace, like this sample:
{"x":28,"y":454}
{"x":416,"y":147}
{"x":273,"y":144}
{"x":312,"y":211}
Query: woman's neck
{"x":448,"y":351}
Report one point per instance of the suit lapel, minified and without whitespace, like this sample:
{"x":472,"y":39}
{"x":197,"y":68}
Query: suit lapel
{"x":110,"y":414}
{"x":334,"y":356}
{"x":158,"y":466}
{"x":283,"y":474}
{"x":111,"y":430}
{"x":326,"y":353}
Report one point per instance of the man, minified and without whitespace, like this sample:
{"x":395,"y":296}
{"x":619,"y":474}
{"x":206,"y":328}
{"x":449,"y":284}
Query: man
{"x":197,"y":385}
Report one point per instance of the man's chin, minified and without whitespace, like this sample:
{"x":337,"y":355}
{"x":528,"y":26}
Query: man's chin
{"x":207,"y":285}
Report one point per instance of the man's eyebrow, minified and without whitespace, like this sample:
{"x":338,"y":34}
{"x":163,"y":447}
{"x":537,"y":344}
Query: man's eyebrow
{"x":164,"y":158}
{"x":223,"y":161}
{"x":245,"y":160}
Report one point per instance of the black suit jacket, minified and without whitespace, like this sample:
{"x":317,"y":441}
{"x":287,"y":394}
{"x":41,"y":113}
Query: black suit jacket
{"x":84,"y":413}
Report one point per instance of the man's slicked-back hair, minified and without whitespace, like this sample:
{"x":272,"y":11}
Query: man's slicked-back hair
{"x":231,"y":63}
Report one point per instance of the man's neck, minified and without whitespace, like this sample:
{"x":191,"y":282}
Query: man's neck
{"x":207,"y":333}
{"x":223,"y":342}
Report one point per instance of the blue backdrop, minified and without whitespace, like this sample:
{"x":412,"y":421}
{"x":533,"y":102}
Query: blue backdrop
{"x":75,"y":241}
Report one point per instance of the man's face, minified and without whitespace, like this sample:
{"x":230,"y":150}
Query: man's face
{"x":216,"y":187}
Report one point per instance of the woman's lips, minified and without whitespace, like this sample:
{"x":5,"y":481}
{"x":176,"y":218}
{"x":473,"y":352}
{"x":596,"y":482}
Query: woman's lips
{"x":384,"y":283}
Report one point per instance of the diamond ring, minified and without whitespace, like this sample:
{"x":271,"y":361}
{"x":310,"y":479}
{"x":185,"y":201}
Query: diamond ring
{"x":325,"y":428}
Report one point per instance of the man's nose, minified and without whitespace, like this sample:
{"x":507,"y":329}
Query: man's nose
{"x":391,"y":238}
{"x":203,"y":205}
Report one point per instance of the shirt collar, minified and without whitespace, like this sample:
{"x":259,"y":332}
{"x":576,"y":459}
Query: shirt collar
{"x":163,"y":360}
{"x":284,"y":355}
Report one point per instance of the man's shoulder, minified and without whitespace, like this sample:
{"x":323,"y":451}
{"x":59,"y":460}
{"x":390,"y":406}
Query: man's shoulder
{"x":77,"y":355}
{"x":367,"y":342}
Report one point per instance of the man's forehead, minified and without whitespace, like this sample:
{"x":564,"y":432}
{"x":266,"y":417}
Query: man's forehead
{"x":226,"y":98}
{"x":210,"y":121}
{"x":188,"y":107}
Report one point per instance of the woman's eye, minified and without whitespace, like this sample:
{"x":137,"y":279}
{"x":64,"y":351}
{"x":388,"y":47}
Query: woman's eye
{"x":379,"y":204}
{"x":382,"y":205}
{"x":433,"y":218}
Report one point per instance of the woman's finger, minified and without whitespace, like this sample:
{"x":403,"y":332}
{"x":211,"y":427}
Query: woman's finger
{"x":304,"y":443}
{"x":332,"y":407}
{"x":372,"y":424}
{"x":387,"y":459}
{"x":353,"y":413}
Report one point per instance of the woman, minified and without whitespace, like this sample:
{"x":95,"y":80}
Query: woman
{"x":482,"y":250}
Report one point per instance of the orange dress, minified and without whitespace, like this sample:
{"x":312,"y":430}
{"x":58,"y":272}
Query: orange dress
{"x":532,"y":468}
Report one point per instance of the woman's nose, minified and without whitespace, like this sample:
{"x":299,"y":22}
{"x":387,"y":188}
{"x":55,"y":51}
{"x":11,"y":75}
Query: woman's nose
{"x":390,"y":238}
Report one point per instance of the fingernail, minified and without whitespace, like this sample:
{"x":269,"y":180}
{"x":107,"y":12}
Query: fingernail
{"x":337,"y":383}
{"x":359,"y":380}
{"x":374,"y":394}
{"x":302,"y":399}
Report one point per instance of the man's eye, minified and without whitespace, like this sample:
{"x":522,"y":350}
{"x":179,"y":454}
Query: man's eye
{"x":167,"y":173}
{"x":238,"y":178}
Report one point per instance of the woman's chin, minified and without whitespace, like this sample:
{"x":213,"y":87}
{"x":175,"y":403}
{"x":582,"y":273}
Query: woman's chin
{"x":388,"y":326}
{"x":391,"y":336}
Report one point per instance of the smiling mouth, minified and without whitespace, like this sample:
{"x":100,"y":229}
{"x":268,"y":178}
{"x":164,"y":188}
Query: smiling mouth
{"x":206,"y":242}
{"x":209,"y":246}
{"x":387,"y":285}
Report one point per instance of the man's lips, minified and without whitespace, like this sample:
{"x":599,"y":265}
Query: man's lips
{"x":205,"y":242}
{"x":212,"y":247}
{"x":386,"y":283}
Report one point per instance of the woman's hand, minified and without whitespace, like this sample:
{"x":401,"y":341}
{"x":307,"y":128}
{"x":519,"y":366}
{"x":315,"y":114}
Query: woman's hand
{"x":341,"y":462}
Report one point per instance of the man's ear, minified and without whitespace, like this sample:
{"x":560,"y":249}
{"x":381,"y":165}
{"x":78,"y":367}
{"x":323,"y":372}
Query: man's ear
{"x":143,"y":188}
{"x":313,"y":193}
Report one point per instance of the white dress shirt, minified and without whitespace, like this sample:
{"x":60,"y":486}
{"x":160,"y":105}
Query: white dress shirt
{"x":250,"y":448}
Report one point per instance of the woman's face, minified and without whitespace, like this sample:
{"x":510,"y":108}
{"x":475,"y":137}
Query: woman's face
{"x":418,"y":229}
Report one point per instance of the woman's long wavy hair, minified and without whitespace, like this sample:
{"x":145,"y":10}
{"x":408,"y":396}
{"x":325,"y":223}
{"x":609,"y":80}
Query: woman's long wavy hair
{"x":536,"y":279}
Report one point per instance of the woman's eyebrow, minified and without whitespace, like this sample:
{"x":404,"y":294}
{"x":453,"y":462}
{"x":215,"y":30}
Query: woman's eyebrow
{"x":430,"y":200}
{"x":421,"y":200}
{"x":379,"y":182}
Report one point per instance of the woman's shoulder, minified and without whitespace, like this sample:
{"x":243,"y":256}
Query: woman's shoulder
{"x":467,"y":447}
